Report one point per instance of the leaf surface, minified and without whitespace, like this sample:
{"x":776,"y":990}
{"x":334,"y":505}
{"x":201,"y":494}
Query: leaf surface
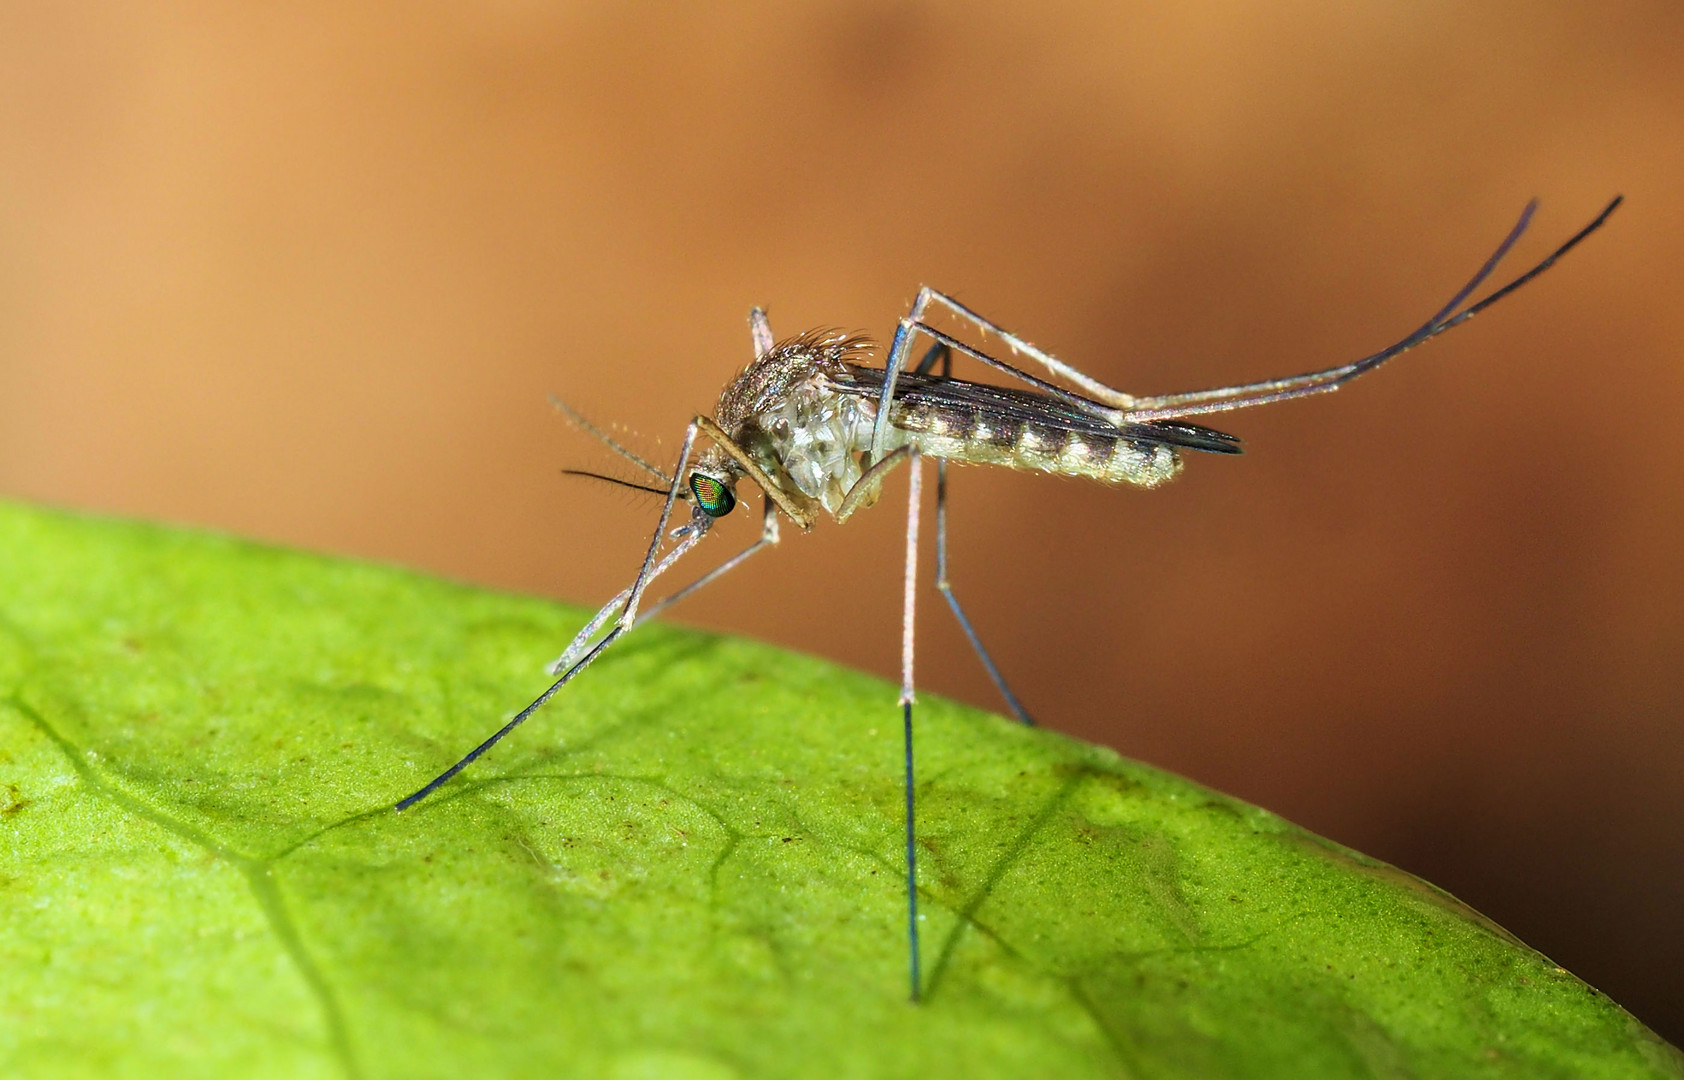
{"x":688,"y":865}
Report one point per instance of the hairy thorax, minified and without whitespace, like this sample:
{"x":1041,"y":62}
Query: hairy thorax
{"x":785,"y":411}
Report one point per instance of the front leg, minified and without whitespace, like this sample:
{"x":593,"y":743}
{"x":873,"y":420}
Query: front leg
{"x":768,"y":538}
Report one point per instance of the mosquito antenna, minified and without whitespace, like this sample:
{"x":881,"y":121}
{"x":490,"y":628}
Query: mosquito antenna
{"x":650,"y":488}
{"x":607,"y":440}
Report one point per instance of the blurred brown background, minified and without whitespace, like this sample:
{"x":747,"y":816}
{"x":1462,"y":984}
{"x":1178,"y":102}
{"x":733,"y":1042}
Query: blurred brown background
{"x":307,"y":273}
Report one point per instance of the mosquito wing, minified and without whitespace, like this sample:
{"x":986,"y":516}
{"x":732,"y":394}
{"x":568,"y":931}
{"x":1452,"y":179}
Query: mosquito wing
{"x":956,"y":396}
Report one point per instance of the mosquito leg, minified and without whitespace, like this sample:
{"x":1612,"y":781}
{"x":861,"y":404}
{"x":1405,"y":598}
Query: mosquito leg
{"x":438,"y":781}
{"x":768,"y":537}
{"x":904,"y":333}
{"x":1315,"y":382}
{"x":644,"y":574}
{"x":582,"y":640}
{"x":943,"y":353}
{"x":573,"y":661}
{"x":909,"y":327}
{"x":625,"y":602}
{"x":946,"y":588}
{"x":1244,"y":395}
{"x":891,"y":373}
{"x":938,"y":352}
{"x":906,"y":700}
{"x":628,"y":618}
{"x":870,"y":484}
{"x":623,"y":607}
{"x":1107,"y":394}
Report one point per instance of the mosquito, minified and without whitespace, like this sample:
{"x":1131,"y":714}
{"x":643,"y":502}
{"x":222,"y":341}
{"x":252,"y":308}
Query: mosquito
{"x":817,"y":430}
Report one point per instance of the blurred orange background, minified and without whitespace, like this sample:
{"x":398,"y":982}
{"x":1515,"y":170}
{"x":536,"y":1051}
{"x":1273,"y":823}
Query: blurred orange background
{"x":307,"y":273}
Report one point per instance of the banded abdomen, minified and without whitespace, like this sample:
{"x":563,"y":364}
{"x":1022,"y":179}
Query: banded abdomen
{"x":1024,"y":429}
{"x":982,"y":437}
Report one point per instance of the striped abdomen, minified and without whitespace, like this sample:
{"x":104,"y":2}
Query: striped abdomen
{"x":986,"y":436}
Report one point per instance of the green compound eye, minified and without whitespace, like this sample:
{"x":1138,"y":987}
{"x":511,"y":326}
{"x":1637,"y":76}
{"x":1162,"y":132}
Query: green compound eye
{"x":714,"y":497}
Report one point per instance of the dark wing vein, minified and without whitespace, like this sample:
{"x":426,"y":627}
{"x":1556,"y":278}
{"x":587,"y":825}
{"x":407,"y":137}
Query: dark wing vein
{"x":1028,"y":407}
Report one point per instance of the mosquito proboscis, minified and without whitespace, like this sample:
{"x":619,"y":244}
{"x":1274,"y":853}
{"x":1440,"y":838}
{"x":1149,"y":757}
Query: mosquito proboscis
{"x":817,"y":429}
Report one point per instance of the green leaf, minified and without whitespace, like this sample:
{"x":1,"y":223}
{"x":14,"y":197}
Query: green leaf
{"x":688,"y":865}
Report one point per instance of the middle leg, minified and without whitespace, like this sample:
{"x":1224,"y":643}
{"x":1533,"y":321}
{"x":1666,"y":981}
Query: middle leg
{"x":946,"y":588}
{"x":941,"y":353}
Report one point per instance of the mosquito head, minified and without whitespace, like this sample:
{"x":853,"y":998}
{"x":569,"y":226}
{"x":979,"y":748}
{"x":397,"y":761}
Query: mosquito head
{"x":712,"y":492}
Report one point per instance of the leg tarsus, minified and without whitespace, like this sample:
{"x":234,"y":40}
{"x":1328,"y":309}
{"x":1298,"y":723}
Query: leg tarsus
{"x":911,"y":863}
{"x":768,"y":538}
{"x":988,"y":665}
{"x":938,"y":351}
{"x":946,"y":587}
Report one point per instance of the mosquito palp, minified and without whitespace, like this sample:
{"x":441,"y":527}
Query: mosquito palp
{"x":817,"y":430}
